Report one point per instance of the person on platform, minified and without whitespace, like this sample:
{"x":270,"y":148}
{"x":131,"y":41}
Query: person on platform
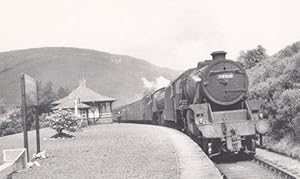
{"x":119,"y":116}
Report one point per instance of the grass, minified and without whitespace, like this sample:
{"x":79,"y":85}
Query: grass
{"x":287,"y":146}
{"x":16,"y":141}
{"x":102,"y":151}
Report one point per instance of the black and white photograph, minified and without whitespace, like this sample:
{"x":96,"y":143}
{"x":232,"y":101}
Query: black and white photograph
{"x":160,"y":89}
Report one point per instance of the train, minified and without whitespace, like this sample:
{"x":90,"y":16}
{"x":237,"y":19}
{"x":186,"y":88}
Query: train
{"x":209,"y":103}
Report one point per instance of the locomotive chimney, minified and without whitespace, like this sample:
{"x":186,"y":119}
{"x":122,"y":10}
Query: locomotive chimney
{"x":218,"y":55}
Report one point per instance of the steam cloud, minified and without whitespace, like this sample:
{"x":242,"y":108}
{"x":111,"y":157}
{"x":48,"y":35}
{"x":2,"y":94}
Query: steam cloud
{"x":159,"y":82}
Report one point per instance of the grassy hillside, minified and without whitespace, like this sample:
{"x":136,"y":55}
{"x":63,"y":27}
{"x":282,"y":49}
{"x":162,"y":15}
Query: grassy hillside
{"x":118,"y":76}
{"x":272,"y":81}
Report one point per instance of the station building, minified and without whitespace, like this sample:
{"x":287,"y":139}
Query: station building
{"x":87,"y":104}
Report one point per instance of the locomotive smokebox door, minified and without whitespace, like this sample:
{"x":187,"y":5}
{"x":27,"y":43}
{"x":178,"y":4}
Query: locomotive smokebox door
{"x":225,"y":83}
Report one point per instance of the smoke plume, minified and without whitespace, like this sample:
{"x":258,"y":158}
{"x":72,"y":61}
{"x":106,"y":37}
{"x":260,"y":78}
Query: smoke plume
{"x":151,"y":86}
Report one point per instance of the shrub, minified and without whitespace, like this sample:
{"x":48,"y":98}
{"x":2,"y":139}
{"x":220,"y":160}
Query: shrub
{"x":287,"y":146}
{"x":286,"y":112}
{"x":272,"y":81}
{"x":10,"y":121}
{"x":62,"y":119}
{"x":9,"y":131}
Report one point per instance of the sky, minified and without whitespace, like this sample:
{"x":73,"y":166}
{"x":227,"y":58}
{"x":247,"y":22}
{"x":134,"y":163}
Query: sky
{"x":169,"y":33}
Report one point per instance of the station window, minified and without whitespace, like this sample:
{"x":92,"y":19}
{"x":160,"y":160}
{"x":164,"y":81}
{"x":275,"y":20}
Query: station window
{"x":83,"y":114}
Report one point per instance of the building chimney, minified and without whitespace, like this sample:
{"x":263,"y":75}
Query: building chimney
{"x":218,"y":55}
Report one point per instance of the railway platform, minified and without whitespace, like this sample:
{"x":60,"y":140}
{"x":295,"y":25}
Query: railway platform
{"x":118,"y":151}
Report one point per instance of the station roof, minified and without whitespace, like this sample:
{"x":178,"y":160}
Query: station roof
{"x":70,"y":105}
{"x":84,"y":94}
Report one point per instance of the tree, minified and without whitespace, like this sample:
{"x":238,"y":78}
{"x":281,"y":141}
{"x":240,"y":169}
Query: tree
{"x":251,"y":57}
{"x":46,"y":95}
{"x":272,"y":81}
{"x":289,"y":51}
{"x":62,"y":92}
{"x":298,"y":70}
{"x":3,"y":103}
{"x":60,"y":120}
{"x":287,"y":112}
{"x":10,"y":121}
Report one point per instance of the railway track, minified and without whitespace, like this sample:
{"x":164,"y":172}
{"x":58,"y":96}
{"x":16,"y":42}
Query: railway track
{"x":245,"y":169}
{"x":256,"y":169}
{"x":281,"y":170}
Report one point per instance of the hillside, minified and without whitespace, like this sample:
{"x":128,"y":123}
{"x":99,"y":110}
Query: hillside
{"x":272,"y":80}
{"x":118,"y":76}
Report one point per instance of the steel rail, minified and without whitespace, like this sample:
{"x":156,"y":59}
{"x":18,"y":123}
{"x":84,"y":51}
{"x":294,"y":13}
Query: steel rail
{"x":277,"y":169}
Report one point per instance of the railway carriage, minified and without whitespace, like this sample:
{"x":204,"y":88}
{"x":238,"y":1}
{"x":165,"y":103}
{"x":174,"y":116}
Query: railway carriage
{"x":139,"y":111}
{"x":158,"y":106}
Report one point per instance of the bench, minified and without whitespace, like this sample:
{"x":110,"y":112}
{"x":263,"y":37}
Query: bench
{"x":15,"y":160}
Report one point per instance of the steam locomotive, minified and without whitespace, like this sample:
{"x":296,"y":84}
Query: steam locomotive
{"x":208,"y":102}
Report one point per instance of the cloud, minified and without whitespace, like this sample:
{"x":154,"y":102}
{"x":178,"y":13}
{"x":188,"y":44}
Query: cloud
{"x":173,"y":34}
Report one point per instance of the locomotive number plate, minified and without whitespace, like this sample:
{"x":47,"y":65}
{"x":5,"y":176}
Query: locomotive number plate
{"x":225,"y":76}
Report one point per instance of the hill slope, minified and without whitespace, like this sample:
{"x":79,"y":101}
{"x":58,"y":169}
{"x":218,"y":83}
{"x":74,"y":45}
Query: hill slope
{"x":272,"y":80}
{"x":118,"y":76}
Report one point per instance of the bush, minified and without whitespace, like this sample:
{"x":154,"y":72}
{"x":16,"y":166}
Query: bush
{"x":287,"y":146}
{"x":62,"y":119}
{"x":10,"y":121}
{"x":9,"y":131}
{"x":271,"y":80}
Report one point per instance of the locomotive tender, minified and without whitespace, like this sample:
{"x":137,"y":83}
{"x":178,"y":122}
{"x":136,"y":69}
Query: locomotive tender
{"x":209,"y":103}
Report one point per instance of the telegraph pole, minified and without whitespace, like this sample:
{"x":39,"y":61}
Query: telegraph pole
{"x":37,"y":121}
{"x":24,"y":115}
